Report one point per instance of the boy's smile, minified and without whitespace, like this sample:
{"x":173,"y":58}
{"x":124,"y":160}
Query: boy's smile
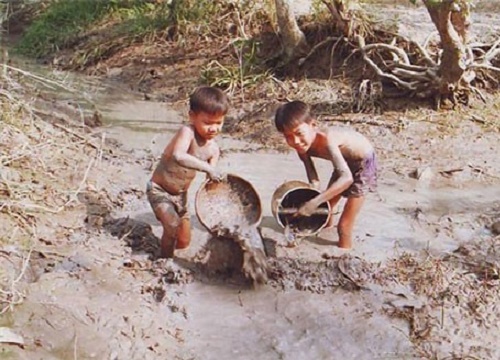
{"x":300,"y":137}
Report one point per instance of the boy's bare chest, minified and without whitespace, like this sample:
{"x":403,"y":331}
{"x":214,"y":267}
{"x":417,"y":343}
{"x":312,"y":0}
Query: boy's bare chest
{"x":202,"y":152}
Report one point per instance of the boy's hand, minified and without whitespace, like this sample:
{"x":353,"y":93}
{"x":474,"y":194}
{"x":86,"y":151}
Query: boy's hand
{"x":216,"y":175}
{"x":307,"y":209}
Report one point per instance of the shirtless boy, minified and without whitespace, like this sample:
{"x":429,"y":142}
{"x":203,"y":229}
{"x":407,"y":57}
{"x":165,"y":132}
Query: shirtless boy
{"x":192,"y":149}
{"x":352,"y":156}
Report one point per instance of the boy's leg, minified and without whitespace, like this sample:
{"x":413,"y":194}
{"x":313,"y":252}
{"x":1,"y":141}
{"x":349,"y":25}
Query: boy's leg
{"x":183,"y":233}
{"x":170,"y":221}
{"x":347,"y":220}
{"x":333,"y":209}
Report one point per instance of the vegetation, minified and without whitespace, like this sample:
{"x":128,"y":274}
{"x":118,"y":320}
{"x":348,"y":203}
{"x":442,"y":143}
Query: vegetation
{"x":68,"y":22}
{"x":245,"y":43}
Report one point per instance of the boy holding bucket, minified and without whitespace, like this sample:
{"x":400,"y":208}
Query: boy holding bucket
{"x":192,"y":149}
{"x":352,"y":156}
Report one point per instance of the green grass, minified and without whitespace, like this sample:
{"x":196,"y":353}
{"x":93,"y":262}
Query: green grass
{"x":60,"y":24}
{"x":65,"y":23}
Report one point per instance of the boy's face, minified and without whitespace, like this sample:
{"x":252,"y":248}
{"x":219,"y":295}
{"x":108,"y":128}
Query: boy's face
{"x":208,"y":126}
{"x":301,"y":136}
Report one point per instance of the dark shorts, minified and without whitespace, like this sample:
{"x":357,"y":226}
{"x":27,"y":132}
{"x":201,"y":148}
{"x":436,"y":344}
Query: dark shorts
{"x":158,"y":196}
{"x":364,"y":173}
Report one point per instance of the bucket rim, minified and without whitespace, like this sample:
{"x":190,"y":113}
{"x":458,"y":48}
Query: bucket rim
{"x":207,"y":180}
{"x":305,"y":187}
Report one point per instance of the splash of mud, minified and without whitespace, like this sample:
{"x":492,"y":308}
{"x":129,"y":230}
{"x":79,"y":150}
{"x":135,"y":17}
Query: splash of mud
{"x":250,"y":241}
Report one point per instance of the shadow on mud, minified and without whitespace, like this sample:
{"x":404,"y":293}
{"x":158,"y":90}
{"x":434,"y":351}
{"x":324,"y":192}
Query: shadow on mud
{"x":137,"y":234}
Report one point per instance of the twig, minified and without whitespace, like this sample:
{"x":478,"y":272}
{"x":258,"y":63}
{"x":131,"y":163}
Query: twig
{"x":13,"y":292}
{"x":316,"y":48}
{"x":410,"y":67}
{"x":75,"y":354}
{"x":30,"y":206}
{"x":491,"y":53}
{"x":39,"y":78}
{"x":331,"y":57}
{"x":80,"y":186}
{"x":87,"y":141}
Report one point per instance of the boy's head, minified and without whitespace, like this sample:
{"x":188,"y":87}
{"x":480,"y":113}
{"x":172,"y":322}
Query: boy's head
{"x":207,"y":108}
{"x":294,"y":120}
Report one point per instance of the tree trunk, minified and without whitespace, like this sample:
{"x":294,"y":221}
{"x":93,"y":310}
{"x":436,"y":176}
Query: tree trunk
{"x":340,"y":15}
{"x":294,"y":40}
{"x":452,"y":20}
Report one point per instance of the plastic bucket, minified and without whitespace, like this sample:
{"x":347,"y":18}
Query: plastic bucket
{"x":291,"y":195}
{"x":231,"y":203}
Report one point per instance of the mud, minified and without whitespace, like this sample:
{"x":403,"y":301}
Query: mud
{"x":346,"y":272}
{"x":254,"y":265}
{"x":231,"y":210}
{"x":232,"y":202}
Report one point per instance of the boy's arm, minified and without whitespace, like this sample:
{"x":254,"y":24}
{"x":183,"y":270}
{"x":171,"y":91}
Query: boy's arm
{"x":216,"y":175}
{"x":312,"y":174}
{"x":182,"y":157}
{"x":344,"y":179}
{"x":215,"y":156}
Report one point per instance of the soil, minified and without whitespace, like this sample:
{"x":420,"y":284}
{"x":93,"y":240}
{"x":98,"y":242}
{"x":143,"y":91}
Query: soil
{"x":422,"y":280}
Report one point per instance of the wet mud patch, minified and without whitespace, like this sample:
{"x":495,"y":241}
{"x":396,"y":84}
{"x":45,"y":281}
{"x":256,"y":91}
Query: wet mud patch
{"x":221,"y":258}
{"x":136,"y":234}
{"x":346,"y":272}
{"x":249,"y":240}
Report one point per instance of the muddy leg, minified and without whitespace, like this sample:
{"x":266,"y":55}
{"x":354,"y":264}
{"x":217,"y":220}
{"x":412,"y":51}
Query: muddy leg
{"x":347,"y":220}
{"x":170,"y":221}
{"x":333,"y":207}
{"x":183,"y":234}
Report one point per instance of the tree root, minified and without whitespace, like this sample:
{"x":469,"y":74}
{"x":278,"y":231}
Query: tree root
{"x":424,"y":80}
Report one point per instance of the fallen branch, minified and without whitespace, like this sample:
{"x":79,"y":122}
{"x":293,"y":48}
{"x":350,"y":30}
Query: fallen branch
{"x":41,"y":79}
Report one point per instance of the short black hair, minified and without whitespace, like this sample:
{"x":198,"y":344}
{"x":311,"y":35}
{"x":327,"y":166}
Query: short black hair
{"x":291,"y":114}
{"x":209,"y":100}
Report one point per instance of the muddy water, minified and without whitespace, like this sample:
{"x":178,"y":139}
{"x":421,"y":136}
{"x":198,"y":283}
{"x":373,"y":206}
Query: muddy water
{"x":277,"y":321}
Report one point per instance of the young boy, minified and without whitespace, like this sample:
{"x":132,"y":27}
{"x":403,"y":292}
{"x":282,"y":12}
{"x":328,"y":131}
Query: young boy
{"x":352,"y":156}
{"x":192,"y":149}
